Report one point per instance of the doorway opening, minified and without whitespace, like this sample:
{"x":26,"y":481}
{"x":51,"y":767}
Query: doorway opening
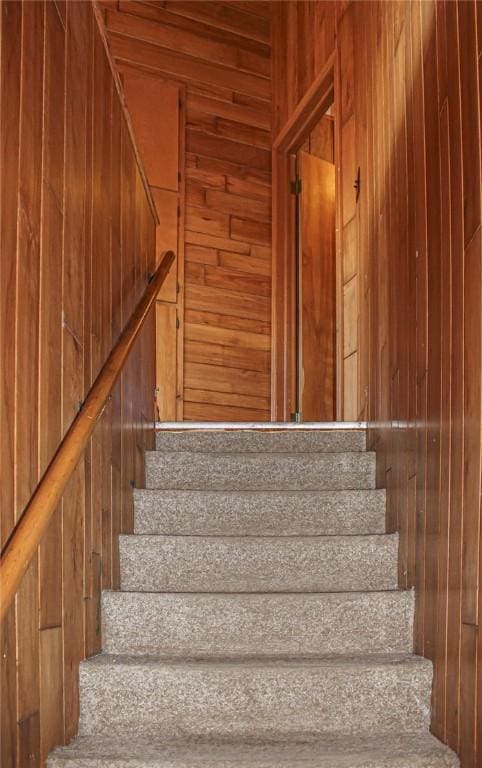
{"x":306,"y":350}
{"x":314,"y":187}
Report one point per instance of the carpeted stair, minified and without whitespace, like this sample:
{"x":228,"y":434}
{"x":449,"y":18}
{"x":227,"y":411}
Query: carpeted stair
{"x":259,"y":623}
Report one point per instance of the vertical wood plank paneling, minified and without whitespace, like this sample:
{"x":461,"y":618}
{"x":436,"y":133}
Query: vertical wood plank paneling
{"x":471,"y":223}
{"x":117,"y":324}
{"x":11,"y":17}
{"x":166,"y":316}
{"x":469,"y":70}
{"x":51,"y":689}
{"x":434,"y":306}
{"x":294,"y":69}
{"x":470,"y":707}
{"x":420,"y":254}
{"x":74,"y":337}
{"x":410,"y":435}
{"x":89,"y":580}
{"x":472,"y":495}
{"x":360,"y":229}
{"x":454,"y":585}
{"x":70,"y":276}
{"x":50,"y":378}
{"x":26,"y":360}
{"x":346,"y":126}
{"x":127,"y":249}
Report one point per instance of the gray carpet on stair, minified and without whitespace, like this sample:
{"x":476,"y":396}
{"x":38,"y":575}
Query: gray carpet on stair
{"x":255,"y":699}
{"x":258,"y":564}
{"x":259,"y":513}
{"x":259,"y":623}
{"x":255,"y":441}
{"x":263,"y":471}
{"x":408,"y":750}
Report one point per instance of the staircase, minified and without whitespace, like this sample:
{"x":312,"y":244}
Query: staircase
{"x":259,"y":623}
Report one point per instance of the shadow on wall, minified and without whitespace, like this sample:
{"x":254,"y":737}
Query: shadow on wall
{"x":418,"y":140}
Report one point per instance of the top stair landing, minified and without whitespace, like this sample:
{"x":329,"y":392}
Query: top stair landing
{"x":257,"y":438}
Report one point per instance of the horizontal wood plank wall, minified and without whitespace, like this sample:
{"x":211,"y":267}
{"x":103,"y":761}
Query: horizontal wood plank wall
{"x":220,"y":52}
{"x":77,"y":240}
{"x":417,"y":96}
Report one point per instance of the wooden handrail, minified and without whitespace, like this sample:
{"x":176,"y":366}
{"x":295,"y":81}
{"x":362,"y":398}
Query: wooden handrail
{"x":29,"y":531}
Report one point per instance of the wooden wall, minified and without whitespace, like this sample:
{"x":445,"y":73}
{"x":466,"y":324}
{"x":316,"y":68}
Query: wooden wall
{"x":414,"y":90}
{"x":422,"y":254}
{"x":220,"y":52}
{"x":303,"y":38}
{"x":77,"y":240}
{"x":156,"y":110}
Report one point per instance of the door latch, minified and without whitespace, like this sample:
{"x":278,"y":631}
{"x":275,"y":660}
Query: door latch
{"x":356,"y":184}
{"x":296,"y":187}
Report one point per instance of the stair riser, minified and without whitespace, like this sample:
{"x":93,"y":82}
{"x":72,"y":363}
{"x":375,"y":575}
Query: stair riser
{"x":176,"y":700}
{"x":253,"y":441}
{"x":428,"y":755}
{"x":217,"y":564}
{"x":258,"y":513}
{"x":404,"y":750}
{"x":212,"y":626}
{"x":263,"y":759}
{"x":356,"y":761}
{"x":186,"y":471}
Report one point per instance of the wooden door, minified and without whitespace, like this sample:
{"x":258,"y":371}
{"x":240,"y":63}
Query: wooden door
{"x":317,"y":290}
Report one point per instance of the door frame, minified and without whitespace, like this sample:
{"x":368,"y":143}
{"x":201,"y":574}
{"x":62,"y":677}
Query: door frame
{"x":322,"y":93}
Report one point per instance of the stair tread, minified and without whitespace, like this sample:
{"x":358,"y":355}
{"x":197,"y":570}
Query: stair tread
{"x":259,"y":493}
{"x":354,"y":662}
{"x":281,"y":540}
{"x":347,"y":751}
{"x":272,"y":441}
{"x":253,"y":595}
{"x":317,"y":470}
{"x":261,"y":454}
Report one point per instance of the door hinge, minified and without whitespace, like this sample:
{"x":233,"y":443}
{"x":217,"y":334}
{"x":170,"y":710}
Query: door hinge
{"x":295,"y":187}
{"x":177,"y":323}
